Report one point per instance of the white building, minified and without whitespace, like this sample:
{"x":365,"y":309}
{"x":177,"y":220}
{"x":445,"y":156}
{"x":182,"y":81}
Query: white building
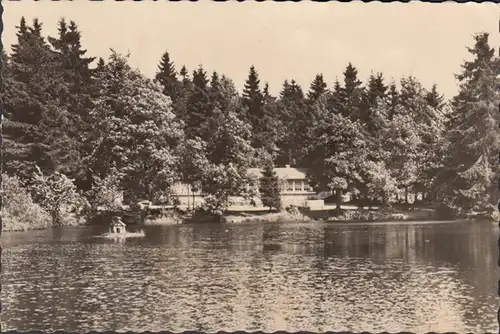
{"x":294,"y":188}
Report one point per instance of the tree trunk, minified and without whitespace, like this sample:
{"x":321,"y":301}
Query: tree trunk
{"x":338,"y":199}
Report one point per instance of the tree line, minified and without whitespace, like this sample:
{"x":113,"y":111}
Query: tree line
{"x":107,"y":127}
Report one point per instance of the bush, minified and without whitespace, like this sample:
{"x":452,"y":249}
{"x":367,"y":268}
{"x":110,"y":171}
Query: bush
{"x":20,"y":212}
{"x":58,"y":195}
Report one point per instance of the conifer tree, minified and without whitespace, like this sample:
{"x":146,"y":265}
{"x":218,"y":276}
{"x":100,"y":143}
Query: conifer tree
{"x":376,"y":89}
{"x":392,"y":99}
{"x":214,"y":80}
{"x":253,"y":100}
{"x":167,"y":77}
{"x":270,"y":188}
{"x":101,"y":65}
{"x":184,"y":74}
{"x":351,"y":95}
{"x":434,"y":99}
{"x":467,"y":180}
{"x":198,"y":106}
{"x":265,"y":91}
{"x":317,"y":88}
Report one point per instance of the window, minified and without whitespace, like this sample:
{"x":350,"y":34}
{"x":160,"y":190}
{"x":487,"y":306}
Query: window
{"x":289,"y":185}
{"x":283,"y":185}
{"x":299,"y":186}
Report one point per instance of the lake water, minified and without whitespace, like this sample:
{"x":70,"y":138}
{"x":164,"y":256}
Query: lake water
{"x":391,"y":277}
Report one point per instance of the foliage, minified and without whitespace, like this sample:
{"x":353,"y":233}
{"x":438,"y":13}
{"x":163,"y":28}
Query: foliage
{"x":106,"y":193}
{"x":19,"y":211}
{"x":111,"y":129}
{"x":270,"y":188}
{"x":58,"y":195}
{"x":466,"y":182}
{"x":135,"y":133}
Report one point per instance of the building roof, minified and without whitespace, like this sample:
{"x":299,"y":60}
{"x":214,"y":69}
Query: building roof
{"x":284,"y":173}
{"x":118,"y":223}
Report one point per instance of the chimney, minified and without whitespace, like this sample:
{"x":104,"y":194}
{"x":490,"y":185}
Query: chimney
{"x":287,"y":166}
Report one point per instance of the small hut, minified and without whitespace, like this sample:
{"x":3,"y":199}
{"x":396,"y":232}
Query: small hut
{"x":117,"y":226}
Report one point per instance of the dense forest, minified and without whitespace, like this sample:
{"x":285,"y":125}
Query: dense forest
{"x":78,"y":129}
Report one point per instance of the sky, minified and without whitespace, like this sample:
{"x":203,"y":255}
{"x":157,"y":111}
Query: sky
{"x":282,"y":40}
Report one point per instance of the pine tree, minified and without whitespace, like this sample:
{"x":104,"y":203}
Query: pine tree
{"x":317,"y":88}
{"x":199,"y":107}
{"x":214,"y":80}
{"x":270,"y":188}
{"x":351,"y":95}
{"x":265,"y":91}
{"x":376,"y":89}
{"x":167,"y":77}
{"x":37,"y":120}
{"x":393,"y":99}
{"x":101,"y":65}
{"x":434,"y":99}
{"x":292,"y":112}
{"x":71,"y":55}
{"x":253,"y":100}
{"x":467,"y":179}
{"x":184,"y":74}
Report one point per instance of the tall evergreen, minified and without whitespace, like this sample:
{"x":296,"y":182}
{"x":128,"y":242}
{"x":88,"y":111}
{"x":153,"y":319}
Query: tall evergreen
{"x":253,"y":100}
{"x":293,"y":115}
{"x":318,"y":88}
{"x":167,"y":77}
{"x":469,"y":171}
{"x":392,"y":99}
{"x":199,"y":108}
{"x":434,"y":98}
{"x":376,"y":89}
{"x":351,"y":94}
{"x":270,"y":188}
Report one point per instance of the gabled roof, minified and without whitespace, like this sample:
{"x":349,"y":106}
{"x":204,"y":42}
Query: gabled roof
{"x":284,"y":173}
{"x":118,"y":223}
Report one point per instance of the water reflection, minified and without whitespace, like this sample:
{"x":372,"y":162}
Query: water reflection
{"x":316,"y":277}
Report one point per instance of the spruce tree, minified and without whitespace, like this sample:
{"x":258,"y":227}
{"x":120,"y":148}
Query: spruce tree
{"x":101,"y":65}
{"x":199,"y":107}
{"x":351,"y":95}
{"x":265,"y":91}
{"x":376,"y":89}
{"x":253,"y":100}
{"x":392,"y":99}
{"x":317,"y":88}
{"x":294,"y":119}
{"x":468,"y":177}
{"x":434,"y":99}
{"x":270,"y":188}
{"x":214,"y":80}
{"x":167,"y":77}
{"x":184,"y":74}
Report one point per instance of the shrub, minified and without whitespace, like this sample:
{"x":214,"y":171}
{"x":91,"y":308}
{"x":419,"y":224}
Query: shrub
{"x":19,"y":211}
{"x":58,"y":195}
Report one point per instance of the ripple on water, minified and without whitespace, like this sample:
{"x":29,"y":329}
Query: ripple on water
{"x":275,"y":277}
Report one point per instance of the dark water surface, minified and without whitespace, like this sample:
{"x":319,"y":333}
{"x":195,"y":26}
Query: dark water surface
{"x":413,"y":277}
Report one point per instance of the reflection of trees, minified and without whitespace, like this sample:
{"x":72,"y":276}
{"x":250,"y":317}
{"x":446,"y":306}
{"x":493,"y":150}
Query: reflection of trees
{"x":317,"y":277}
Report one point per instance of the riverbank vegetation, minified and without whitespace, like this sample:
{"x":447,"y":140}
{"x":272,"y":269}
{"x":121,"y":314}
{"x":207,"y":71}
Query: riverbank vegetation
{"x":80,"y":131}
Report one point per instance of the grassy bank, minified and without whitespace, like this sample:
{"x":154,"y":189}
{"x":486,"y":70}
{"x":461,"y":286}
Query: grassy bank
{"x":270,"y":217}
{"x":352,"y":215}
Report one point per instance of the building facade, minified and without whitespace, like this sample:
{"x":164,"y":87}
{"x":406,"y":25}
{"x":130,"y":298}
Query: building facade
{"x":294,"y":188}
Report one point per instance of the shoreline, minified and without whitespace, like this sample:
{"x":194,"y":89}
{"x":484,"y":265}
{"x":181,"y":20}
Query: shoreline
{"x":352,"y":216}
{"x":259,"y":221}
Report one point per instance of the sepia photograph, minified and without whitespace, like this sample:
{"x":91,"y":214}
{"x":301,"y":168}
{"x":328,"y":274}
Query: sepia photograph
{"x":250,"y":166}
